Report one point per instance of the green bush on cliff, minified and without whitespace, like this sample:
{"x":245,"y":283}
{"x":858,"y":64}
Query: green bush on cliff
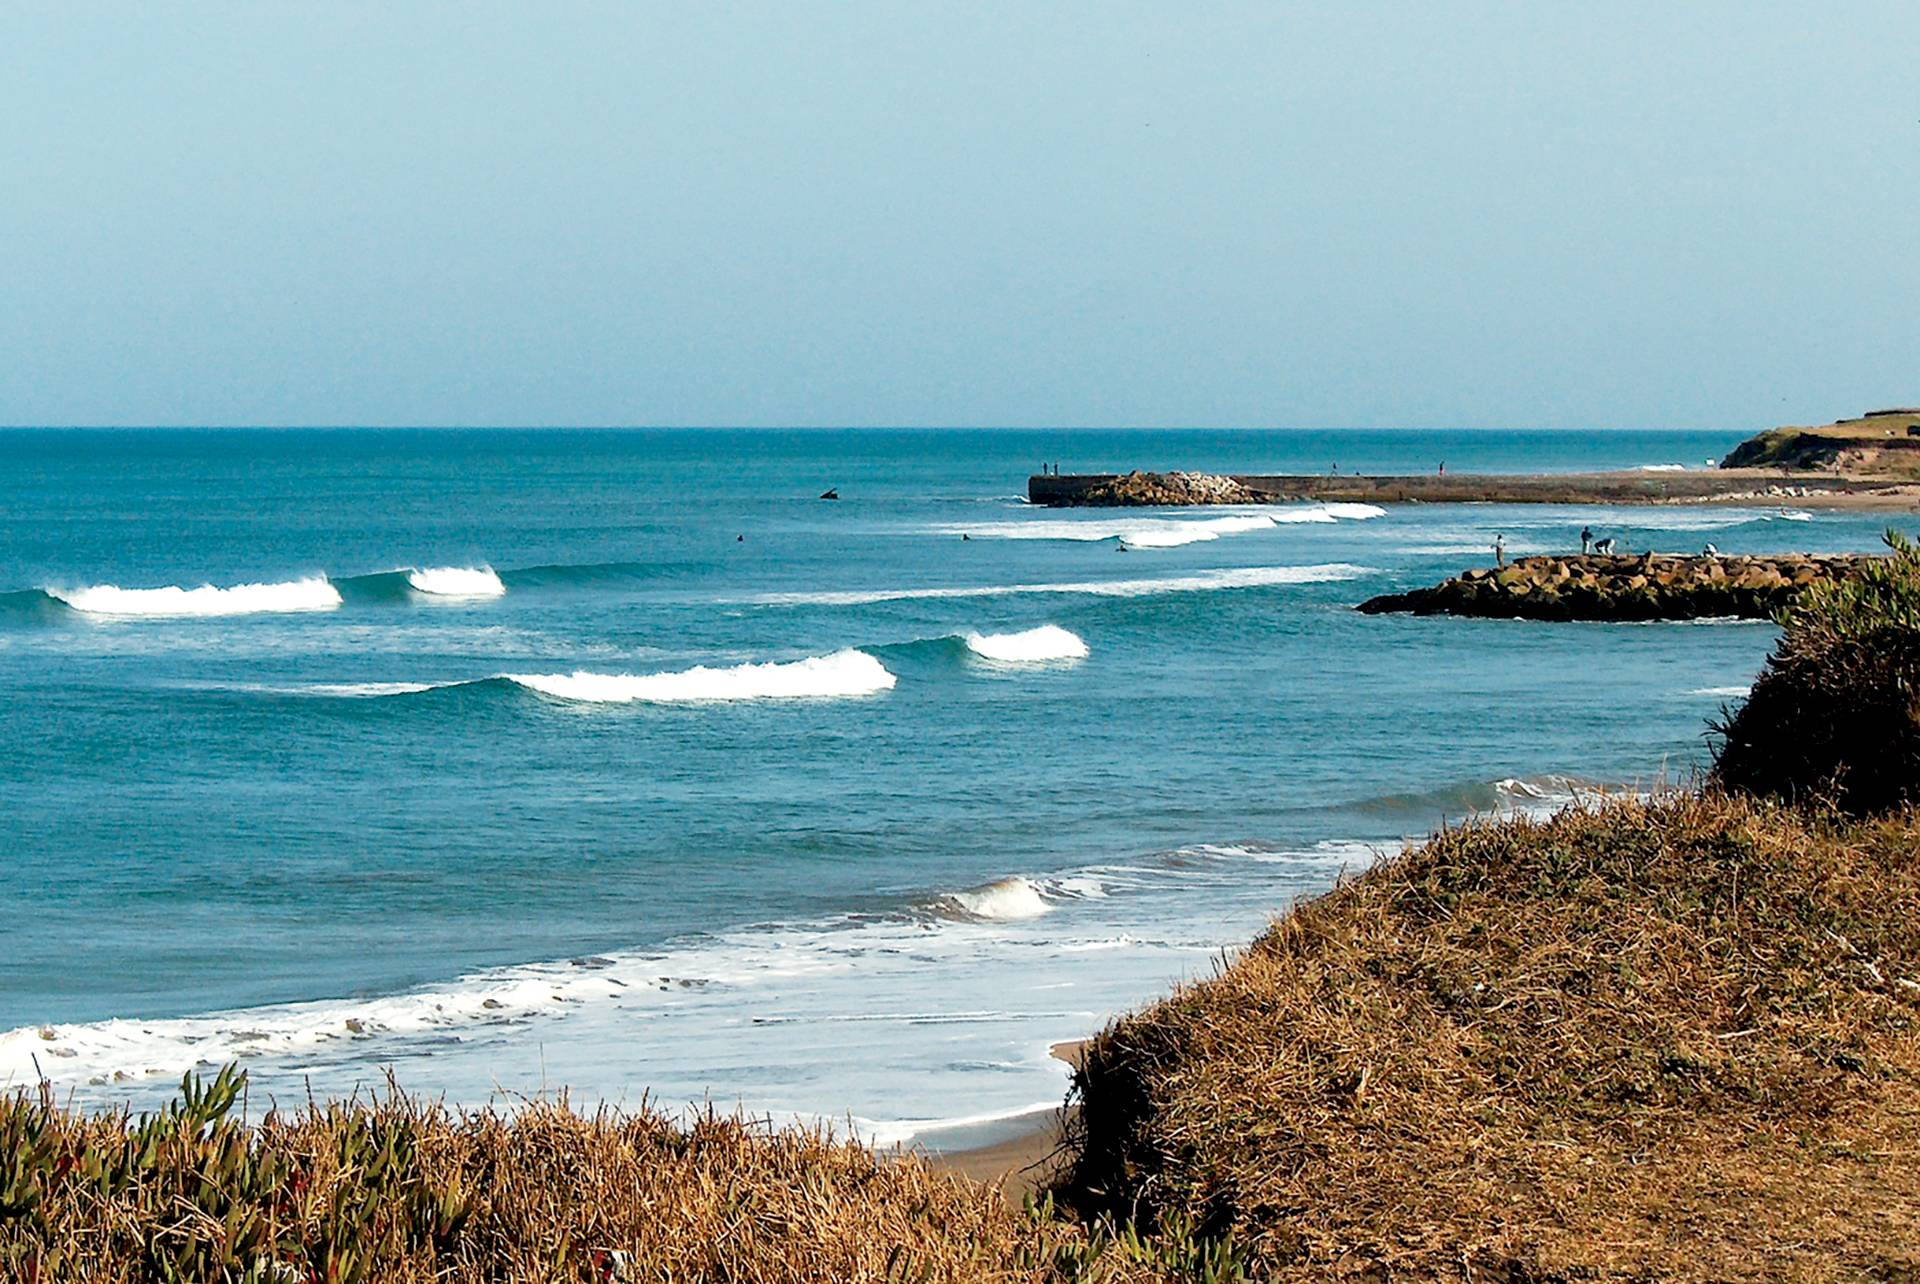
{"x":1834,"y":717}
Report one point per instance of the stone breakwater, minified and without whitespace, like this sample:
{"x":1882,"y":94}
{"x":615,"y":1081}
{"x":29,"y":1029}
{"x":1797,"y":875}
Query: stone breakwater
{"x":1651,"y":586}
{"x":1163,"y":490}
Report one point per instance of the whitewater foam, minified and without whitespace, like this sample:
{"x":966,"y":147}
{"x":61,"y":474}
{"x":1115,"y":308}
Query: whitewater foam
{"x":118,"y":1050}
{"x":456,"y":582}
{"x":1043,"y":645}
{"x":841,"y":674}
{"x":315,"y":593}
{"x":1724,"y":693}
{"x":1204,"y":581}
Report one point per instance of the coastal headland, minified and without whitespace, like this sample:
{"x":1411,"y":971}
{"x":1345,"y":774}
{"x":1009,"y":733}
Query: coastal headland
{"x":1649,"y":586}
{"x":1870,"y":463}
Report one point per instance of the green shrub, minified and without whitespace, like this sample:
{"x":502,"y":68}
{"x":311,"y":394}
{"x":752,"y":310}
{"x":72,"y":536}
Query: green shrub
{"x":1834,"y":717}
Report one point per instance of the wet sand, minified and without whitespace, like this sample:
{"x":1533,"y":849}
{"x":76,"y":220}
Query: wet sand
{"x":1020,"y":1164}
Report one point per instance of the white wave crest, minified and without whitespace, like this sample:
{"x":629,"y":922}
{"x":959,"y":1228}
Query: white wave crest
{"x":1002,"y":899}
{"x":1204,"y":581}
{"x":1175,"y":534}
{"x":1047,"y":643}
{"x":456,"y":581}
{"x":1663,"y":468}
{"x":844,"y":673}
{"x":1163,"y":532}
{"x":1724,"y":693}
{"x":315,"y":593}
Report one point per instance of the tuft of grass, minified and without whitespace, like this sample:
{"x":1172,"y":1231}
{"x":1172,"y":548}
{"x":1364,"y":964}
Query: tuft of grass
{"x":1834,"y":717}
{"x":1674,"y":1039}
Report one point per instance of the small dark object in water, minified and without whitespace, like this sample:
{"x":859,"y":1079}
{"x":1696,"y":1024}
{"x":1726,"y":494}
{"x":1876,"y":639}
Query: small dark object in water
{"x":739,"y":539}
{"x":831,"y":493}
{"x":964,"y":535}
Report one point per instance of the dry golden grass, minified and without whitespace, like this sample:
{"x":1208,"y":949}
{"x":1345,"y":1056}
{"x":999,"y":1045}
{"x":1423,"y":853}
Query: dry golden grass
{"x":394,"y":1191}
{"x":1671,"y":1041}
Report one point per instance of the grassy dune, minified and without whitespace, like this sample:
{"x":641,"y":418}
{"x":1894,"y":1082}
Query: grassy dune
{"x":1667,"y":1040}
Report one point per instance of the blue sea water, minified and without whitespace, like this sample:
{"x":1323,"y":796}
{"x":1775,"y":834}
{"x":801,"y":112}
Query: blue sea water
{"x":330,"y":806}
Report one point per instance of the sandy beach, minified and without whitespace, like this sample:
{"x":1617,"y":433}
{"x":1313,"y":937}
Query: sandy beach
{"x":1022,"y":1162}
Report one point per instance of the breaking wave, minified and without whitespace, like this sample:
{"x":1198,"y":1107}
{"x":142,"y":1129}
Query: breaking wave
{"x":1164,"y":532}
{"x":31,"y":606}
{"x":1000,"y":900}
{"x":315,"y":593}
{"x":1530,"y":795}
{"x":840,"y":675}
{"x":1045,"y":644}
{"x":1201,"y":582}
{"x":456,"y":582}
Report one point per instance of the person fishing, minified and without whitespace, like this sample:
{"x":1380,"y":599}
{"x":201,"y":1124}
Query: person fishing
{"x":1499,"y":550}
{"x":1586,"y":540}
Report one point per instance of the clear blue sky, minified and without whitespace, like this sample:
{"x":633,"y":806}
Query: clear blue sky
{"x":1529,"y":214}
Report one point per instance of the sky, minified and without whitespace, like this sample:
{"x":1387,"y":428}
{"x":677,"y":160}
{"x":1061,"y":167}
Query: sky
{"x":1429,"y":214}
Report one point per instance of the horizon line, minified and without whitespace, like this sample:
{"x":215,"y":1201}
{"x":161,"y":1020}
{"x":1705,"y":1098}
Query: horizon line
{"x":822,"y":427}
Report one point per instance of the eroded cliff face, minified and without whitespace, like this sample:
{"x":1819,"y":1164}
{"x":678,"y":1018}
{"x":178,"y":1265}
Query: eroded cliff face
{"x":1651,"y":586}
{"x":1880,"y":444}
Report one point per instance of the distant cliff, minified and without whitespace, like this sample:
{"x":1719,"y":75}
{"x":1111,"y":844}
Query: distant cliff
{"x":1882,"y":444}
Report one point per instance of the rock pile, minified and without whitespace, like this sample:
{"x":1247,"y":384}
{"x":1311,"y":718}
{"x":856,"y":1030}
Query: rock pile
{"x":1170,"y":489}
{"x":1651,"y":586}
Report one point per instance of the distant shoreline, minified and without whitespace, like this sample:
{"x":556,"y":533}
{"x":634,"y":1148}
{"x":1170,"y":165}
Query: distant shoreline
{"x":1870,"y":463}
{"x":1762,"y":487}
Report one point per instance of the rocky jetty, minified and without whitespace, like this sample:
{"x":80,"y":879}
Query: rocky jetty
{"x":1650,"y":586}
{"x":1162,"y":490}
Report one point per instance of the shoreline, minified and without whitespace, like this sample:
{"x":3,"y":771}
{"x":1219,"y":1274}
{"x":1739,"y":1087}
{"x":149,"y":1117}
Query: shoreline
{"x":1020,"y":1162}
{"x":1733,"y":487}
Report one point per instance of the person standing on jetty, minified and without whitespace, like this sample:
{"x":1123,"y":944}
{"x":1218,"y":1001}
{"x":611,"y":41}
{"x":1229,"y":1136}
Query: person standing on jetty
{"x":1586,"y":540}
{"x":1499,"y":550}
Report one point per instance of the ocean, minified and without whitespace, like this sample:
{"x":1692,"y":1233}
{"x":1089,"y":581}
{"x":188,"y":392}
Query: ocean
{"x":618,"y":762}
